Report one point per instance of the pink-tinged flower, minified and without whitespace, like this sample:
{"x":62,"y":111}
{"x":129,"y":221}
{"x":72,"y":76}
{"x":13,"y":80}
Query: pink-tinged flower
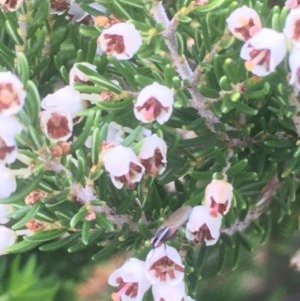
{"x":121,"y":40}
{"x":123,"y":166}
{"x":77,"y":76}
{"x":164,"y":265}
{"x":295,"y":261}
{"x":131,"y":281}
{"x":218,"y":197}
{"x":58,"y":7}
{"x":294,"y":62}
{"x":244,"y":22}
{"x":292,"y":26}
{"x":66,"y":98}
{"x":155,"y":102}
{"x":9,"y":128}
{"x":7,"y":238}
{"x":163,"y":292}
{"x":12,"y":94}
{"x":202,"y":226}
{"x":56,"y":124}
{"x":8,"y":182}
{"x":153,"y":155}
{"x":5,"y":210}
{"x":264,"y":52}
{"x":292,"y":3}
{"x":10,"y":5}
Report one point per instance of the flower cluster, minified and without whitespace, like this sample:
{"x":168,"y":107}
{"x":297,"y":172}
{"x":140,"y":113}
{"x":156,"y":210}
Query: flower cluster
{"x":163,"y":269}
{"x":12,"y":98}
{"x":265,"y":48}
{"x":127,"y":168}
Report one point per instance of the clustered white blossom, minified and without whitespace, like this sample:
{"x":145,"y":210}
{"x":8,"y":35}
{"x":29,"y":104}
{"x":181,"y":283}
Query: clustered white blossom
{"x":163,"y":269}
{"x":12,"y":97}
{"x":265,"y":48}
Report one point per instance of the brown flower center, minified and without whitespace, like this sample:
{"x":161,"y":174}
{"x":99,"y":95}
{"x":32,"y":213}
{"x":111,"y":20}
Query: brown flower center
{"x":57,"y":126}
{"x":245,"y":30}
{"x":165,"y":267}
{"x":5,"y":149}
{"x":127,"y":179}
{"x":8,"y":97}
{"x":202,"y":233}
{"x":153,"y":164}
{"x":152,"y":108}
{"x":114,"y":43}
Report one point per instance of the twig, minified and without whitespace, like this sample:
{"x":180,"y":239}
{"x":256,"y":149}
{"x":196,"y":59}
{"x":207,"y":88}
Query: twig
{"x":183,"y":68}
{"x":256,"y":211}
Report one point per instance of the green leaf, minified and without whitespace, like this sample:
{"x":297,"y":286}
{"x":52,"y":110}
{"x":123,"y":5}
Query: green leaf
{"x":29,"y":215}
{"x":213,"y":4}
{"x":78,"y":216}
{"x":22,"y":246}
{"x":42,"y":236}
{"x":60,"y":243}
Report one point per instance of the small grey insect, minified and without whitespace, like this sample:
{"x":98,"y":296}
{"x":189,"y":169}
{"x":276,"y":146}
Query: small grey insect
{"x":170,"y":226}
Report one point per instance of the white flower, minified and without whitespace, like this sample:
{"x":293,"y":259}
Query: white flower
{"x":203,"y":226}
{"x":155,"y":102}
{"x":164,"y":265}
{"x":78,"y":14}
{"x":295,"y":261}
{"x":294,"y":62}
{"x":123,"y":166}
{"x":163,"y":292}
{"x":121,"y":40}
{"x":56,"y":124}
{"x":67,"y":98}
{"x":7,"y":238}
{"x":10,"y":5}
{"x":78,"y":76}
{"x":131,"y":281}
{"x":58,"y":7}
{"x":5,"y":210}
{"x":244,"y":22}
{"x":218,"y":196}
{"x":264,"y":51}
{"x":12,"y":94}
{"x":292,"y":26}
{"x":153,"y":155}
{"x":8,"y":182}
{"x":9,"y":127}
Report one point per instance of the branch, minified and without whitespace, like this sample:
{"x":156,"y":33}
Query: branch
{"x":258,"y":209}
{"x":183,"y":68}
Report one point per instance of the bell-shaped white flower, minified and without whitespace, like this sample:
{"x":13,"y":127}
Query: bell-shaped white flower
{"x":131,"y":281}
{"x":12,"y":94}
{"x":5,"y":210}
{"x":218,"y":196}
{"x":56,"y":124}
{"x":8,"y":182}
{"x":77,"y":76}
{"x":7,"y":238}
{"x":164,"y":265}
{"x":292,"y":26}
{"x":9,"y":127}
{"x":202,"y":226}
{"x":153,"y":155}
{"x":244,"y":22}
{"x":121,"y":41}
{"x":164,"y":292}
{"x":67,"y":98}
{"x":294,"y":62}
{"x":58,"y":7}
{"x":155,"y":102}
{"x":123,"y":166}
{"x":10,"y":5}
{"x":292,"y":3}
{"x":264,"y":51}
